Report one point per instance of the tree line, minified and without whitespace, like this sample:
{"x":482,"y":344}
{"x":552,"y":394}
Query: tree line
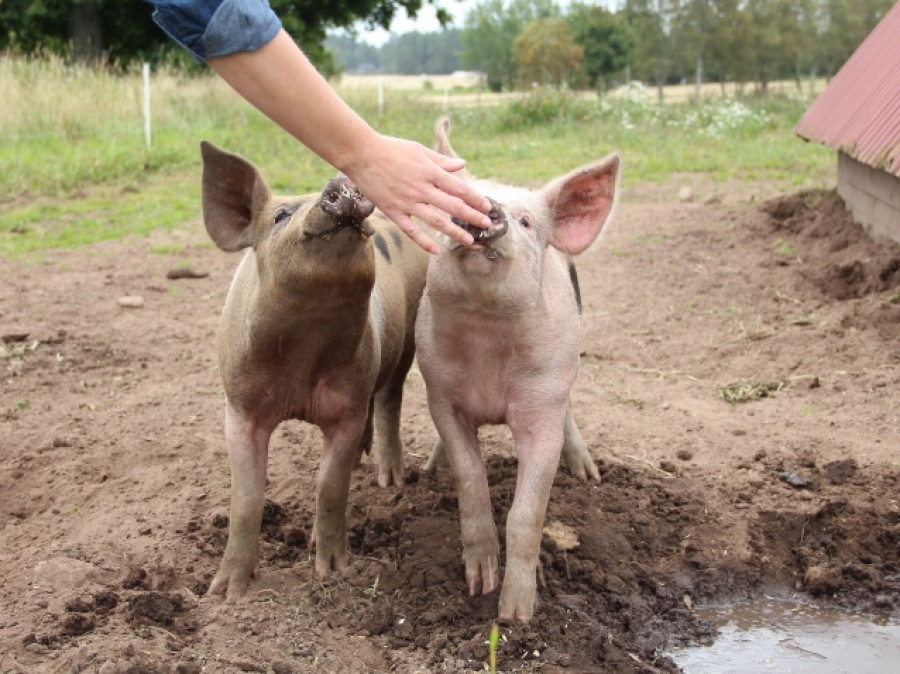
{"x":519,"y":42}
{"x":116,"y":33}
{"x":515,"y":43}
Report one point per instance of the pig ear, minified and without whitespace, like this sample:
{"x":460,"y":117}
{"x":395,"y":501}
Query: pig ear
{"x":442,"y":143}
{"x":234,"y":193}
{"x":580,"y":204}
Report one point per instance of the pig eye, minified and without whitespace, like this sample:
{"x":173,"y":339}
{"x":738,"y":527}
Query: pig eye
{"x":525,"y":221}
{"x":282,"y":215}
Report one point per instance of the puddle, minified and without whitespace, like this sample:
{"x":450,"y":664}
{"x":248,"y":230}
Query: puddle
{"x":792,"y":638}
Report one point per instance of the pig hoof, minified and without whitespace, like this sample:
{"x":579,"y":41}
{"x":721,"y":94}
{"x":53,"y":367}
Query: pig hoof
{"x":579,"y":462}
{"x":232,"y":585}
{"x":391,"y":477}
{"x":516,"y":608}
{"x":326,"y":563}
{"x":390,"y":467}
{"x":438,"y":458}
{"x":481,"y":575}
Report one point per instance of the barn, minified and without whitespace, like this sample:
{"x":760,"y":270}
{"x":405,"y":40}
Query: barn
{"x":858,"y":114}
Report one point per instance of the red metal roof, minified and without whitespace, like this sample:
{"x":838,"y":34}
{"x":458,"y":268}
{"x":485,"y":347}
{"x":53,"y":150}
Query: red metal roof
{"x":859,"y":111}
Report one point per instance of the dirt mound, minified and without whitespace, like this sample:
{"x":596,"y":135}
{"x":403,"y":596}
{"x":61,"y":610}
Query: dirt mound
{"x":840,"y":257}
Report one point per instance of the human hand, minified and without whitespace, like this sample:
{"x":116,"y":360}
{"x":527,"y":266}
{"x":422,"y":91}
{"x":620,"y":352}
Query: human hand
{"x":404,"y":179}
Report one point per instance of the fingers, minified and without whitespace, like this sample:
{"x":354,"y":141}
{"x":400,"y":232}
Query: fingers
{"x":441,"y":222}
{"x":438,"y":221}
{"x":406,"y":180}
{"x":414,"y":232}
{"x":452,"y":164}
{"x":466,"y":213}
{"x":456,"y":207}
{"x":460,"y":199}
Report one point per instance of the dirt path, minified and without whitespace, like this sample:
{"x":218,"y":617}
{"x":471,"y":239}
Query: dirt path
{"x":114,"y":480}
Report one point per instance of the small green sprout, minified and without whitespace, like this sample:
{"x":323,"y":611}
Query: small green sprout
{"x":372,"y":591}
{"x":494,"y":643}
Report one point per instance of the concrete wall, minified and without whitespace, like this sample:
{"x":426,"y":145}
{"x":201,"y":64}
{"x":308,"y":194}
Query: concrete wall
{"x":872,"y":195}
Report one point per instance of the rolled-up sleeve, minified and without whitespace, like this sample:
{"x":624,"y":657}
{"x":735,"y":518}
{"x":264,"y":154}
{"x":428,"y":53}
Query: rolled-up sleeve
{"x":211,"y":28}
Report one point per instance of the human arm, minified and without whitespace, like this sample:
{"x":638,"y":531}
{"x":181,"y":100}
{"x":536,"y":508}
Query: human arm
{"x":401,"y":177}
{"x":243,"y":41}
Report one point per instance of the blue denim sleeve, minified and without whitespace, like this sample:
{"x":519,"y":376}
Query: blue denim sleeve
{"x":210,"y":28}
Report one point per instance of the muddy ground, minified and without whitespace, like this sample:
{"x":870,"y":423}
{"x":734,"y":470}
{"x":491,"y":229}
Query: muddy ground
{"x":741,"y":359}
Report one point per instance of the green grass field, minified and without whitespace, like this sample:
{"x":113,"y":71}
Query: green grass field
{"x":76,"y":168}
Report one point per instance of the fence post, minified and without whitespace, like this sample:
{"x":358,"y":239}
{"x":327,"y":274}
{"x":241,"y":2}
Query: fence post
{"x":147,"y":134}
{"x":380,"y":95}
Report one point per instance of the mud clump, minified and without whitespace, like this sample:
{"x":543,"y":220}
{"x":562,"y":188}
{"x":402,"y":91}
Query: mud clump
{"x":836,"y":253}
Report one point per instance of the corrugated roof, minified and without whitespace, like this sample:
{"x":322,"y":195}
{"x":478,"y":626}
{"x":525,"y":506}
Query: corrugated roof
{"x":859,"y":111}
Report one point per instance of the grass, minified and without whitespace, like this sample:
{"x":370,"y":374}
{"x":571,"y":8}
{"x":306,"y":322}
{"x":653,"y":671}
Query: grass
{"x":747,"y":390}
{"x":80,"y":172}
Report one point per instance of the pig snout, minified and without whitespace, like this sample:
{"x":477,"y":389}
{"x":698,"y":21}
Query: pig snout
{"x":345,"y":204}
{"x":498,"y":228}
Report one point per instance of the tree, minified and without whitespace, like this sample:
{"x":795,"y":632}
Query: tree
{"x":419,"y":53}
{"x":85,"y":30}
{"x":651,"y":58}
{"x":545,"y":52}
{"x":352,"y":54}
{"x":848,"y":22}
{"x":606,"y":39}
{"x":694,"y":26}
{"x":122,"y":30}
{"x":491,"y":29}
{"x":729,"y":47}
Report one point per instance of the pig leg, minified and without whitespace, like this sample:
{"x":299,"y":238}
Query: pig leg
{"x":481,"y":548}
{"x":365,"y":445}
{"x":248,"y":450}
{"x":332,"y":488}
{"x":575,"y":453}
{"x":538,"y":447}
{"x":388,"y":449}
{"x":437,"y":458}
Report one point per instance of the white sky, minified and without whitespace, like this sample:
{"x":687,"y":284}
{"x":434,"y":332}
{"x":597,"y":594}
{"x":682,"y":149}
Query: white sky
{"x":425,"y":22}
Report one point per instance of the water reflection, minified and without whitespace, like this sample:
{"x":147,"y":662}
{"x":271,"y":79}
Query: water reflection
{"x":792,"y":638}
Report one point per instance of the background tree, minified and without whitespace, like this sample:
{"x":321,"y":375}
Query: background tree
{"x":352,"y":54}
{"x":801,"y":45}
{"x":545,"y":53}
{"x":422,"y":53}
{"x":491,"y":29}
{"x":85,"y":30}
{"x":729,"y":46}
{"x":121,"y":30}
{"x":694,"y":28}
{"x":847,"y":23}
{"x":651,"y":59}
{"x":607,"y":41}
{"x":770,"y":34}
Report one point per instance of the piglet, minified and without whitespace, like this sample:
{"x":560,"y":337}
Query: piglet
{"x":318,"y":326}
{"x":498,"y":342}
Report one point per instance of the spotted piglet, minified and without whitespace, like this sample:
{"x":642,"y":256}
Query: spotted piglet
{"x":318,"y":326}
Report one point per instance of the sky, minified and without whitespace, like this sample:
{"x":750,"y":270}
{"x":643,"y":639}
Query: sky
{"x":425,"y":21}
